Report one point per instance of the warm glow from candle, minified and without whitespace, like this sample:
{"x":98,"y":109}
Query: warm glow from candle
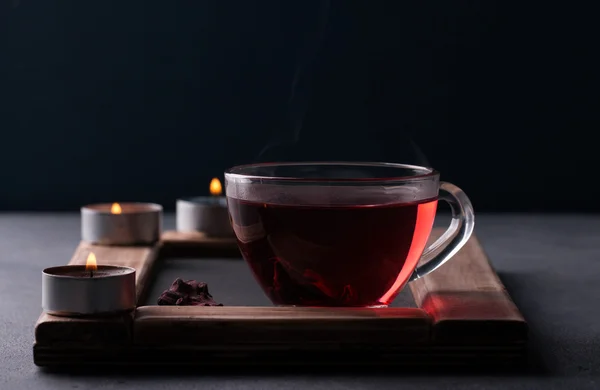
{"x":215,"y":187}
{"x":115,"y":209}
{"x":90,"y":263}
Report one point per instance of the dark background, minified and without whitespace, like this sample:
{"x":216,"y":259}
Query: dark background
{"x":147,"y":100}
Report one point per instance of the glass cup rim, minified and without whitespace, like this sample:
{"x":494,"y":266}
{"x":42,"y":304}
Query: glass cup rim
{"x":237,"y":172}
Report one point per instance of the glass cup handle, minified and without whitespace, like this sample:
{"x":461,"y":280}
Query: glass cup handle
{"x":455,"y":237}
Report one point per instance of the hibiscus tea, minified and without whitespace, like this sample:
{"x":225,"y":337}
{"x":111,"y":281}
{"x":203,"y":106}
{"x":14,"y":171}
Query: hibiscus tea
{"x":338,"y":255}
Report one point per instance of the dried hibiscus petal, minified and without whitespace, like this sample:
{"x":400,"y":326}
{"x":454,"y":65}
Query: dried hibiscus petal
{"x":187,"y":293}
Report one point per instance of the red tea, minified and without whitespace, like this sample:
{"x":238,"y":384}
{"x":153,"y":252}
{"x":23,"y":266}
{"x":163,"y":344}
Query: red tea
{"x":332,"y":255}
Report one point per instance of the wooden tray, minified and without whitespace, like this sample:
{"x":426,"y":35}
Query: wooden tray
{"x":463,"y":316}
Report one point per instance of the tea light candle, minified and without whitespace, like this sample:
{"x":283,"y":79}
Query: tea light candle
{"x":91,"y":289}
{"x":207,"y":214}
{"x":121,"y":224}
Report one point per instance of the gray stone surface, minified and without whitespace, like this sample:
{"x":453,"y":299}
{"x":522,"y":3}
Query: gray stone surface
{"x":550,"y":265}
{"x":230,"y":282}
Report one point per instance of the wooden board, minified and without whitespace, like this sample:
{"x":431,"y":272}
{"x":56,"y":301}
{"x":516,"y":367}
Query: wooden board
{"x":141,"y":258}
{"x":51,"y":329}
{"x":196,"y":244}
{"x":465,"y":318}
{"x":293,"y":327}
{"x":206,"y":360}
{"x":467,"y":301}
{"x":177,"y":238}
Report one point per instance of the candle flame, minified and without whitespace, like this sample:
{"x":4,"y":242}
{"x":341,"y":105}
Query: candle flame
{"x":215,"y":187}
{"x":115,"y":209}
{"x":90,"y":263}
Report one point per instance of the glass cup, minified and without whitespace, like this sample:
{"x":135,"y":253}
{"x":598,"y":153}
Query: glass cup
{"x":340,"y":233}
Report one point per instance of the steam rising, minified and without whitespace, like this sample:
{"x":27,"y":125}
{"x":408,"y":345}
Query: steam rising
{"x":387,"y":150}
{"x":298,"y":101}
{"x":419,"y":155}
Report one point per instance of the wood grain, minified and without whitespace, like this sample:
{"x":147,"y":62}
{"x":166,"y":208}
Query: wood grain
{"x":210,"y":360}
{"x":68,"y":331}
{"x":115,"y":329}
{"x":226,"y":327}
{"x":195,"y":238}
{"x":197,"y":244}
{"x":466,"y":318}
{"x":141,"y":258}
{"x":467,"y":301}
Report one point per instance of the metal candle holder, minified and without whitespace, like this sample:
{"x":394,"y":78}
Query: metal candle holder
{"x":133,"y":224}
{"x":71,"y":290}
{"x":204,"y":214}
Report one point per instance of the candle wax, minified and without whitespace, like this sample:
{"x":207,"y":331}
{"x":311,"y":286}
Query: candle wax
{"x":79,"y":271}
{"x":126,"y":208}
{"x":92,"y":274}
